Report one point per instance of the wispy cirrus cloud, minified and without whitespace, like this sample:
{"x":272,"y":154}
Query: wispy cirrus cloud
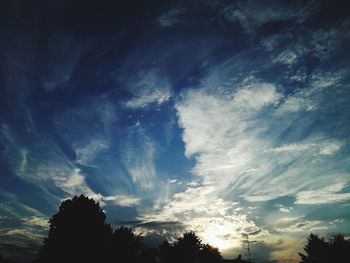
{"x":298,"y":224}
{"x":250,"y":16}
{"x":148,"y":88}
{"x":87,"y":153}
{"x":36,"y":221}
{"x":172,"y":17}
{"x":120,"y":200}
{"x":200,"y":208}
{"x":24,"y":233}
{"x":325,"y":195}
{"x":263,"y":117}
{"x":226,"y":134}
{"x":60,"y":64}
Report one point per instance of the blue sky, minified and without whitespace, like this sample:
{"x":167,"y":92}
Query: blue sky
{"x":223,"y":117}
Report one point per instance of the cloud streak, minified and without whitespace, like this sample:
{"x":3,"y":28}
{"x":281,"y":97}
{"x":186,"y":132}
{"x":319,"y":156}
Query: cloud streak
{"x":148,"y":88}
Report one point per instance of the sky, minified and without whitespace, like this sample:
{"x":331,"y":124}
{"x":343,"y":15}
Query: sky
{"x":225,"y":117}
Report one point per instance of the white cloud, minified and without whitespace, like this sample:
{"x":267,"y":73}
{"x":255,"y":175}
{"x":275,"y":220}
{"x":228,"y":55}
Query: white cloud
{"x":122,"y":200}
{"x":255,"y":96}
{"x":284,"y":209}
{"x":323,"y":80}
{"x":336,"y":221}
{"x":158,"y":96}
{"x":216,"y":130}
{"x":287,"y":57}
{"x":227,"y":135}
{"x":73,"y":184}
{"x":24,"y":162}
{"x":324,"y":195}
{"x":172,"y":17}
{"x":87,"y":153}
{"x":298,"y":224}
{"x":252,"y":14}
{"x":330,"y":148}
{"x":294,"y":147}
{"x":36,"y":221}
{"x":215,"y":220}
{"x":21,"y":232}
{"x":308,"y":99}
{"x":138,"y":158}
{"x":148,"y":88}
{"x":295,"y":104}
{"x":321,"y":146}
{"x":212,"y":122}
{"x":65,"y":177}
{"x":118,"y":200}
{"x":6,"y":133}
{"x":143,"y":174}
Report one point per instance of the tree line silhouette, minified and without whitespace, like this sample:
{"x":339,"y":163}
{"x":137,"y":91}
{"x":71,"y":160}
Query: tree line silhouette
{"x":319,"y":250}
{"x":79,"y":233}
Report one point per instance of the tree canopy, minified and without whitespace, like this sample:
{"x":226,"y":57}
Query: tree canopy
{"x":79,"y":233}
{"x":318,"y":250}
{"x":188,"y":249}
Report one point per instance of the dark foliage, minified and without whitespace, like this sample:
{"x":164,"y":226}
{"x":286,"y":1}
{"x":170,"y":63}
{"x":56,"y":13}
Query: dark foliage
{"x":3,"y":260}
{"x":317,"y":250}
{"x":188,"y":249}
{"x":126,"y":244}
{"x":148,"y":255}
{"x":78,"y":233}
{"x":209,"y":254}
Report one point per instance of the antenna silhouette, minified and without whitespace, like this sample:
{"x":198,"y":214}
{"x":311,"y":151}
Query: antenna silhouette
{"x":248,"y":242}
{"x":248,"y":246}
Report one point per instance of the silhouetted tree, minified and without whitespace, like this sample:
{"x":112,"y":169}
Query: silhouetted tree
{"x":316,"y":250}
{"x":209,"y":254}
{"x":336,"y":250}
{"x":4,"y":260}
{"x":165,"y":252}
{"x":126,"y":245}
{"x":188,"y":249}
{"x":339,"y":249}
{"x":78,"y":233}
{"x":148,"y":255}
